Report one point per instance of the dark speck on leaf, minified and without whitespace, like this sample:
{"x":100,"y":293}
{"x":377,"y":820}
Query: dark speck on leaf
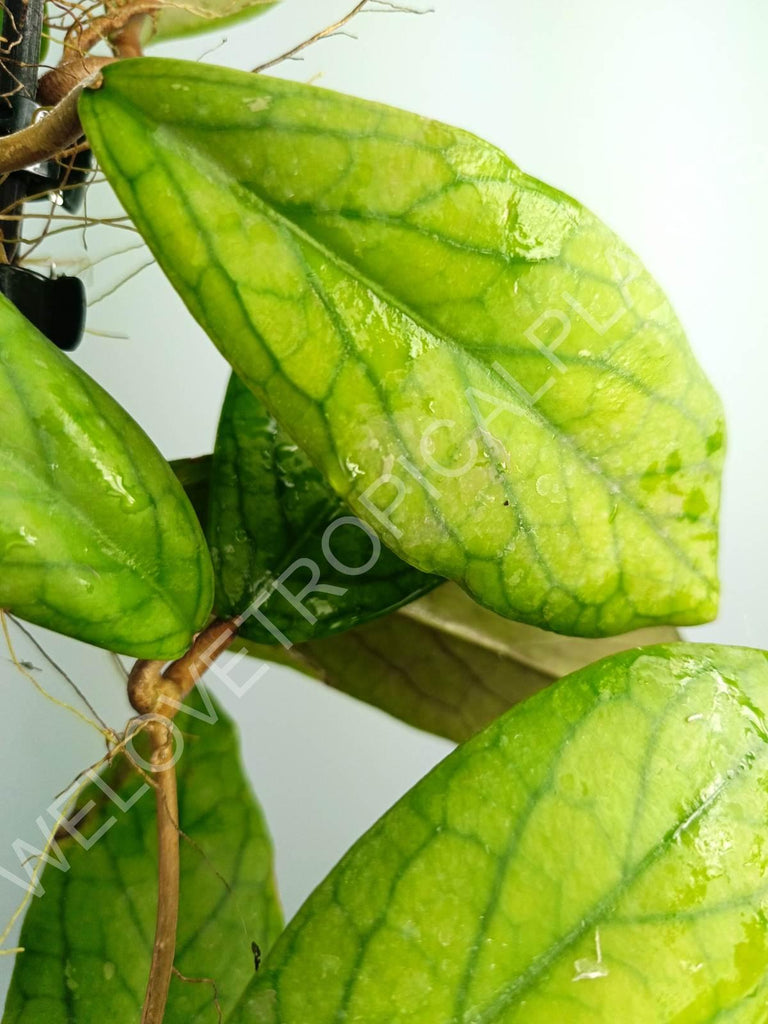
{"x":256,"y":955}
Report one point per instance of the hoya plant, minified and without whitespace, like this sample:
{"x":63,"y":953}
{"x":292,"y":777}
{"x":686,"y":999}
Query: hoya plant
{"x":467,"y":469}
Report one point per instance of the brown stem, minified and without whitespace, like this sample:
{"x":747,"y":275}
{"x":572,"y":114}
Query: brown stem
{"x":181,"y":676}
{"x":144,"y":681}
{"x":164,"y":949}
{"x":48,"y":135}
{"x":80,"y":40}
{"x":153,"y":691}
{"x":127,"y":42}
{"x":61,"y":86}
{"x":54,"y":85}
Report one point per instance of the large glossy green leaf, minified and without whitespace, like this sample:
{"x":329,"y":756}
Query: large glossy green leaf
{"x":97,"y":539}
{"x":481,"y":369}
{"x":88,"y":939}
{"x":284,"y":544}
{"x":597,"y":854}
{"x":446,"y":665}
{"x":190,"y":18}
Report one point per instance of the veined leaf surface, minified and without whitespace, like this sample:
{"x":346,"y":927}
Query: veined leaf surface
{"x":596,"y":854}
{"x":97,"y":538}
{"x":284,"y":544}
{"x":88,"y":940}
{"x":480,"y":368}
{"x":446,"y":665}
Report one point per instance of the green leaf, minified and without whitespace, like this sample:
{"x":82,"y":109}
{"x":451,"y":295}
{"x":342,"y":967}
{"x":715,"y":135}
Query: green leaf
{"x":446,"y":665}
{"x":97,"y":539}
{"x":276,"y":530}
{"x":594,"y":855}
{"x":480,"y":368}
{"x":187,"y":19}
{"x":88,"y":939}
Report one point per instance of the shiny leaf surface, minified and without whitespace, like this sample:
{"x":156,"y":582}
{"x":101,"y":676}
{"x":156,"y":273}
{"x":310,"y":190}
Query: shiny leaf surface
{"x":97,"y":539}
{"x":284,"y":544}
{"x":596,"y":855}
{"x":480,"y":368}
{"x":88,"y":939}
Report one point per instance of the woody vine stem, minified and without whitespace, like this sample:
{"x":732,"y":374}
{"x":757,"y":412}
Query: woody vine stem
{"x":156,"y":695}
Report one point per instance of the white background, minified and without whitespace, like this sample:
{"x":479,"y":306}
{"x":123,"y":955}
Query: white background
{"x":652,"y":114}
